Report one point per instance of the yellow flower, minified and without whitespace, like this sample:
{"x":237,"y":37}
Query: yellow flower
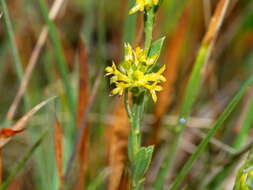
{"x":141,"y":5}
{"x":134,"y":72}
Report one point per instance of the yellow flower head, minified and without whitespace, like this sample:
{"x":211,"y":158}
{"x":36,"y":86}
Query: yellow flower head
{"x":141,"y":5}
{"x":134,"y":72}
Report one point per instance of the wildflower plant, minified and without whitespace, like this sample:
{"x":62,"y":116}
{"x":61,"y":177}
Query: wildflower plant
{"x":140,"y":75}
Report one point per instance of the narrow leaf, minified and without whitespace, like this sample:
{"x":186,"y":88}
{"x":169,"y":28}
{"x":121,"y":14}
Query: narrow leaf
{"x":156,"y":47}
{"x":22,"y":163}
{"x":82,"y":107}
{"x":60,"y":59}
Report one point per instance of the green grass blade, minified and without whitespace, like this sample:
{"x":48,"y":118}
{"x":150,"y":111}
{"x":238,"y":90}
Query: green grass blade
{"x":193,"y":88}
{"x":99,"y":180}
{"x":60,"y":58}
{"x":11,"y":37}
{"x":244,"y":131}
{"x":201,"y":147}
{"x":22,"y":163}
{"x":189,"y":99}
{"x":13,"y":46}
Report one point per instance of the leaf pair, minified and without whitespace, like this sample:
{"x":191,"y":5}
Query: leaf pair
{"x":141,"y":163}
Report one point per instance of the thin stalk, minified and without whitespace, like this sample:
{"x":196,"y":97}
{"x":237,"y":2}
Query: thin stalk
{"x":244,"y":131}
{"x":149,"y":18}
{"x":135,"y":134}
{"x":11,"y":36}
{"x":61,"y":61}
{"x":14,"y":49}
{"x":22,"y":162}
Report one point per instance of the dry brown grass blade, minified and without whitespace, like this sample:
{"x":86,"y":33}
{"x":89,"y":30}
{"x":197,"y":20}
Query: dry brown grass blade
{"x":171,"y":60}
{"x":216,"y":22}
{"x":82,"y":107}
{"x":117,"y":136}
{"x":21,"y":123}
{"x":58,"y":136}
{"x":33,"y":60}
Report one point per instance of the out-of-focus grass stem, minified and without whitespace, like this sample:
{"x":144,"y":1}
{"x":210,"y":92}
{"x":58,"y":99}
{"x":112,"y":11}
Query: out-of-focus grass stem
{"x":61,"y":61}
{"x":13,"y":47}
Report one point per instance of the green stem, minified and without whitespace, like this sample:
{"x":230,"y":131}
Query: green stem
{"x":149,"y":18}
{"x":134,"y":142}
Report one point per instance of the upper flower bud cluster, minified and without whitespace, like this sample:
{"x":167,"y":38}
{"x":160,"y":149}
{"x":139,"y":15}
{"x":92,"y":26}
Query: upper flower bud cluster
{"x":141,"y":5}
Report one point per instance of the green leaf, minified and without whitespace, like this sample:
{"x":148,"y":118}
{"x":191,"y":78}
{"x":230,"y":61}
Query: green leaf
{"x":142,"y":162}
{"x":156,"y":47}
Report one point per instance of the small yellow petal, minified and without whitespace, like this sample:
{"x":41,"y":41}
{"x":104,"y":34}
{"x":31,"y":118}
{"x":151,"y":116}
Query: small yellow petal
{"x":128,"y":52}
{"x":161,"y":70}
{"x":135,"y":9}
{"x":153,"y":94}
{"x":118,"y":90}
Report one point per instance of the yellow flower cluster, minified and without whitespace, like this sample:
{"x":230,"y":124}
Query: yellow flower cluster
{"x":143,"y":4}
{"x":243,"y":180}
{"x":134,"y":72}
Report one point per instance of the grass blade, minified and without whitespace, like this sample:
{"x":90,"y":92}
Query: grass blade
{"x":33,"y":59}
{"x":100,"y":179}
{"x":14,"y":49}
{"x":22,"y":163}
{"x":61,"y":61}
{"x":11,"y":36}
{"x":58,"y":144}
{"x":193,"y":87}
{"x":82,"y":106}
{"x":246,"y":125}
{"x":201,"y":147}
{"x":172,"y":62}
